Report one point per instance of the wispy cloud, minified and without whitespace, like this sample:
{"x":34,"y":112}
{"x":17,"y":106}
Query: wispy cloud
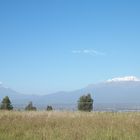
{"x":89,"y":52}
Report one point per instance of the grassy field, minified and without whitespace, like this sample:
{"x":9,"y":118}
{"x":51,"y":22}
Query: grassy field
{"x":69,"y":126}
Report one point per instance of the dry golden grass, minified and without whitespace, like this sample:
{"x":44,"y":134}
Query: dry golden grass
{"x":69,"y":126}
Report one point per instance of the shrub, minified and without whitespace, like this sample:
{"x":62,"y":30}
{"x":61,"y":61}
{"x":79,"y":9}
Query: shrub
{"x":49,"y":108}
{"x":30,"y":107}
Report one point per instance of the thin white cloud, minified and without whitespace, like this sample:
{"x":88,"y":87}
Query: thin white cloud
{"x":88,"y":51}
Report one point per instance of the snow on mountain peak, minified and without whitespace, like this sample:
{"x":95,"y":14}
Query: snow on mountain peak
{"x":2,"y":86}
{"x":124,"y":79}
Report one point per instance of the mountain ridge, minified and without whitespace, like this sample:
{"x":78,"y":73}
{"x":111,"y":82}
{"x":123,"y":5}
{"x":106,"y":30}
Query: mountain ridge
{"x":105,"y":92}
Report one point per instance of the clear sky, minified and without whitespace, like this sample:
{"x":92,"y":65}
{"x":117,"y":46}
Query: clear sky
{"x":52,"y":45}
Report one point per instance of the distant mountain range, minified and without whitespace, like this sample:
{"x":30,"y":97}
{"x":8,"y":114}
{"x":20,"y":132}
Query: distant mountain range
{"x":124,"y":90}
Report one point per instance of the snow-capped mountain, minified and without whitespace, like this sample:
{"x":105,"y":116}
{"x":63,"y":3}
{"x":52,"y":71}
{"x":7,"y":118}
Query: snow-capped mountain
{"x":124,"y":79}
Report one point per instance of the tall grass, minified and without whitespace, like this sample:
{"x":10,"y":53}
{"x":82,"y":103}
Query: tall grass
{"x":69,"y":126}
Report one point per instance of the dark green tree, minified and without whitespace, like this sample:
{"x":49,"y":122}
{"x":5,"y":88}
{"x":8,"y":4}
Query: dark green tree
{"x":6,"y":104}
{"x":49,"y":108}
{"x":30,"y":107}
{"x":85,"y":103}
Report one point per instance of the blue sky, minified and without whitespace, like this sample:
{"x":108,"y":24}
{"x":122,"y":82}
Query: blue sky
{"x":52,"y":45}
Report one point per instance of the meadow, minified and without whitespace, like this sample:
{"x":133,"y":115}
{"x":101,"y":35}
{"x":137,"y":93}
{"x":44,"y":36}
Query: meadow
{"x":55,"y":125}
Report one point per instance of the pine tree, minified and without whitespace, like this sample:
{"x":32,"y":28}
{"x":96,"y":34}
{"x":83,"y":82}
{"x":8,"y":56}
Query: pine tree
{"x":6,"y":104}
{"x":85,"y":103}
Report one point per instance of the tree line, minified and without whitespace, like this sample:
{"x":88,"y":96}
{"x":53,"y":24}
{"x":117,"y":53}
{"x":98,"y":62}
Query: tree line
{"x":85,"y":103}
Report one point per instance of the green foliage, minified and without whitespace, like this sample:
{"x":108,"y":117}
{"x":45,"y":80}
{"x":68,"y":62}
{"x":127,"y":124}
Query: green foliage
{"x":30,"y":107}
{"x":49,"y":108}
{"x":85,"y":103}
{"x":6,"y":104}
